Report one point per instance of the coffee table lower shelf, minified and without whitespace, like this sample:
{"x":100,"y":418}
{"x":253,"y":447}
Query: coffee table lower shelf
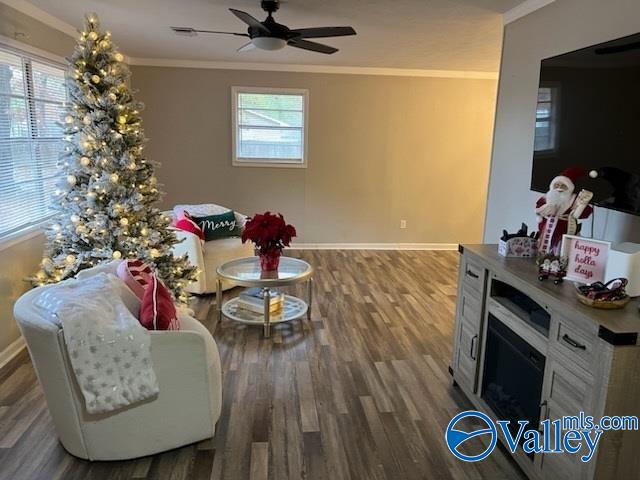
{"x":293,"y":309}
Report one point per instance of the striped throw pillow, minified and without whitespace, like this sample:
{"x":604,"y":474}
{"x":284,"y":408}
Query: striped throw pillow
{"x":157,"y":311}
{"x":136,"y":275}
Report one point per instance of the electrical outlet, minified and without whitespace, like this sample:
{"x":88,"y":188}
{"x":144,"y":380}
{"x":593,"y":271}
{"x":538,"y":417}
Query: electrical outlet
{"x":403,"y":224}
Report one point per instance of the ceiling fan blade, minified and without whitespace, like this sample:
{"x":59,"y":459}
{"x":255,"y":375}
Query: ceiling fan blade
{"x":192,"y":32}
{"x":246,"y":47}
{"x":249,"y":20}
{"x":323,"y":32}
{"x":313,"y":46}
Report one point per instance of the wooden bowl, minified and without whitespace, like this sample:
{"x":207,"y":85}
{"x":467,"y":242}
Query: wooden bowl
{"x":604,"y":304}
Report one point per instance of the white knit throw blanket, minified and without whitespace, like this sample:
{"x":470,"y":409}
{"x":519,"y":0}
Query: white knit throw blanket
{"x":109,"y":350}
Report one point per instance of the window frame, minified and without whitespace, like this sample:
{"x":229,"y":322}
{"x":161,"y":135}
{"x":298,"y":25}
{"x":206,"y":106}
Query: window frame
{"x":29,"y":54}
{"x":269,"y":162}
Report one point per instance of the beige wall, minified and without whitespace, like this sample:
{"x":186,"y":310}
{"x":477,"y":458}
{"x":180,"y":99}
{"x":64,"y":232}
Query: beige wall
{"x":17,"y":262}
{"x":20,"y":259}
{"x":560,"y":27}
{"x":381,"y":149}
{"x":32,"y":32}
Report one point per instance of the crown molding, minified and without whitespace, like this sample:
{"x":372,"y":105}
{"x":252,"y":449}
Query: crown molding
{"x":523,"y":10}
{"x":283,"y":67}
{"x":38,"y":14}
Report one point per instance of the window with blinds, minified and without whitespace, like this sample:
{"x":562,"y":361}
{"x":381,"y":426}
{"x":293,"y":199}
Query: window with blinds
{"x":269,"y":127}
{"x":32,"y":97}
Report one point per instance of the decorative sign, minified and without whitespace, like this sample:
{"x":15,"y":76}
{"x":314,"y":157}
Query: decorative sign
{"x":586,"y":258}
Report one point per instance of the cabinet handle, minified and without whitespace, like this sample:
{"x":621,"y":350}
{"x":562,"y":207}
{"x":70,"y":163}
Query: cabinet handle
{"x":573,"y":343}
{"x":473,"y":345}
{"x":545,"y":405}
{"x":472,"y":274}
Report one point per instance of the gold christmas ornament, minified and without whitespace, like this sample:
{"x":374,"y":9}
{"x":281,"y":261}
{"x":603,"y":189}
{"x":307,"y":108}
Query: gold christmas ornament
{"x":124,"y":221}
{"x":119,"y":57}
{"x":87,"y":119}
{"x":71,"y":179}
{"x":116,"y":254}
{"x":114,"y":178}
{"x":154,"y":252}
{"x":112,"y":97}
{"x":92,"y":35}
{"x":75,"y":218}
{"x":84,"y":161}
{"x":95,"y":78}
{"x":68,"y":119}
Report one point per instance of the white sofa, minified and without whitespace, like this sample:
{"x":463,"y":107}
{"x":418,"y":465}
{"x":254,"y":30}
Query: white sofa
{"x":208,"y":256}
{"x":187,"y":366}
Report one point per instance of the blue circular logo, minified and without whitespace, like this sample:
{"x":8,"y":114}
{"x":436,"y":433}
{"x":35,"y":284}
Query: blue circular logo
{"x":455,"y":437}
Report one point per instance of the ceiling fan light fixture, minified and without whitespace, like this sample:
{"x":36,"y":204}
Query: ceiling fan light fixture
{"x":269,"y":43}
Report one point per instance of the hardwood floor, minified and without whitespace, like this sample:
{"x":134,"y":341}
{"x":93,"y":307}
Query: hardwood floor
{"x":361,"y":391}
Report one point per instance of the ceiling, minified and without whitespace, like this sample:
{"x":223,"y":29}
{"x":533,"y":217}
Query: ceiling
{"x":413,"y":34}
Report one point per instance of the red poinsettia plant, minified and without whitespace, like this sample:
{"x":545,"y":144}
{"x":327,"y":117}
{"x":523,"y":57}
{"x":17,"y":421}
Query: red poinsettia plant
{"x":269,"y":232}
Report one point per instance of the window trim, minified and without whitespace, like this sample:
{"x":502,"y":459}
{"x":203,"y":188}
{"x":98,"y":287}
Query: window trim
{"x":32,"y":229}
{"x":269,"y":162}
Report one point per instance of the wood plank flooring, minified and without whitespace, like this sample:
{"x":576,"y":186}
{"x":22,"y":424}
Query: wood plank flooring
{"x":359,"y":392}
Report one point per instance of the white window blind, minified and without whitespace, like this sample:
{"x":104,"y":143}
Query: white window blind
{"x":269,"y":127}
{"x":32,"y":97}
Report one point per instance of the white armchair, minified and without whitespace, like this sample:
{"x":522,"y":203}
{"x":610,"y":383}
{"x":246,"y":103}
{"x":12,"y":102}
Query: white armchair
{"x":208,"y":256}
{"x":187,"y":366}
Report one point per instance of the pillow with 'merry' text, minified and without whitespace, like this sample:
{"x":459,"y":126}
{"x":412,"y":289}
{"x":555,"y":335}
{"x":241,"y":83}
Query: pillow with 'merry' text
{"x":219,"y":226}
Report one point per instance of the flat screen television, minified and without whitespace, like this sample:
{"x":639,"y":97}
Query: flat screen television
{"x":588,"y":115}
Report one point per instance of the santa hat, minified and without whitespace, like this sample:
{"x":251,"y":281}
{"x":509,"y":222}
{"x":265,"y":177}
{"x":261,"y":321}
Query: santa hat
{"x":569,"y":176}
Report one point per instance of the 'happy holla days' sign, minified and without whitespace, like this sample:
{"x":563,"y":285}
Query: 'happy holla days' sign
{"x":586,"y":258}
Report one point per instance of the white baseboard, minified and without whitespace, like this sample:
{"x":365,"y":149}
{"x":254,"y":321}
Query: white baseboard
{"x":374,"y":246}
{"x":11,"y":351}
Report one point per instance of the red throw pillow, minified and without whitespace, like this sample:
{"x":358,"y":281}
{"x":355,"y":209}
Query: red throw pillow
{"x":157,"y":311}
{"x":136,"y":275}
{"x":185,"y":223}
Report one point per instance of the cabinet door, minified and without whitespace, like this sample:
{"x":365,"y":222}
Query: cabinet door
{"x":468,"y":341}
{"x":567,"y":391}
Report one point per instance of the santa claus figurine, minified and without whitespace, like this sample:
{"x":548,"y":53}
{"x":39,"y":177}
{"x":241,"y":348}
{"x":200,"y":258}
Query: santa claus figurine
{"x":559,"y":210}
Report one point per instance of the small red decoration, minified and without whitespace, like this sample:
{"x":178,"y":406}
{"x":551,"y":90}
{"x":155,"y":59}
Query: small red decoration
{"x":271,"y":234}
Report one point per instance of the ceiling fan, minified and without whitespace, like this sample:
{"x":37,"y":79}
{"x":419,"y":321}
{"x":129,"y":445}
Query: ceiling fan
{"x":271,"y":35}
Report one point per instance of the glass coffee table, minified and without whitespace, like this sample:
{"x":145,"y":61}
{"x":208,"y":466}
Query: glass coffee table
{"x":245,"y":272}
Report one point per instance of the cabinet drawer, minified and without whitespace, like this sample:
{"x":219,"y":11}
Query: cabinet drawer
{"x":473,"y":277}
{"x":578,"y":345}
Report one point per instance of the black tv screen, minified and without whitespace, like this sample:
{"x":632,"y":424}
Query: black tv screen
{"x":588,"y":115}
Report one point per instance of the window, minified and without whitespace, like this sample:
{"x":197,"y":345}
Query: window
{"x":269,"y":127}
{"x":32,"y":97}
{"x":546,"y":120}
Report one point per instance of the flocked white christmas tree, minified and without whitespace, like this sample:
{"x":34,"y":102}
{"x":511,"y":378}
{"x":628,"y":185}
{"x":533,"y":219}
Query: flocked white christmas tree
{"x":108,"y":190}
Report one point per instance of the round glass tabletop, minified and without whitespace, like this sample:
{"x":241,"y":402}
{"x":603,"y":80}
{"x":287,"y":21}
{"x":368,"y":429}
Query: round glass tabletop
{"x":246,"y":272}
